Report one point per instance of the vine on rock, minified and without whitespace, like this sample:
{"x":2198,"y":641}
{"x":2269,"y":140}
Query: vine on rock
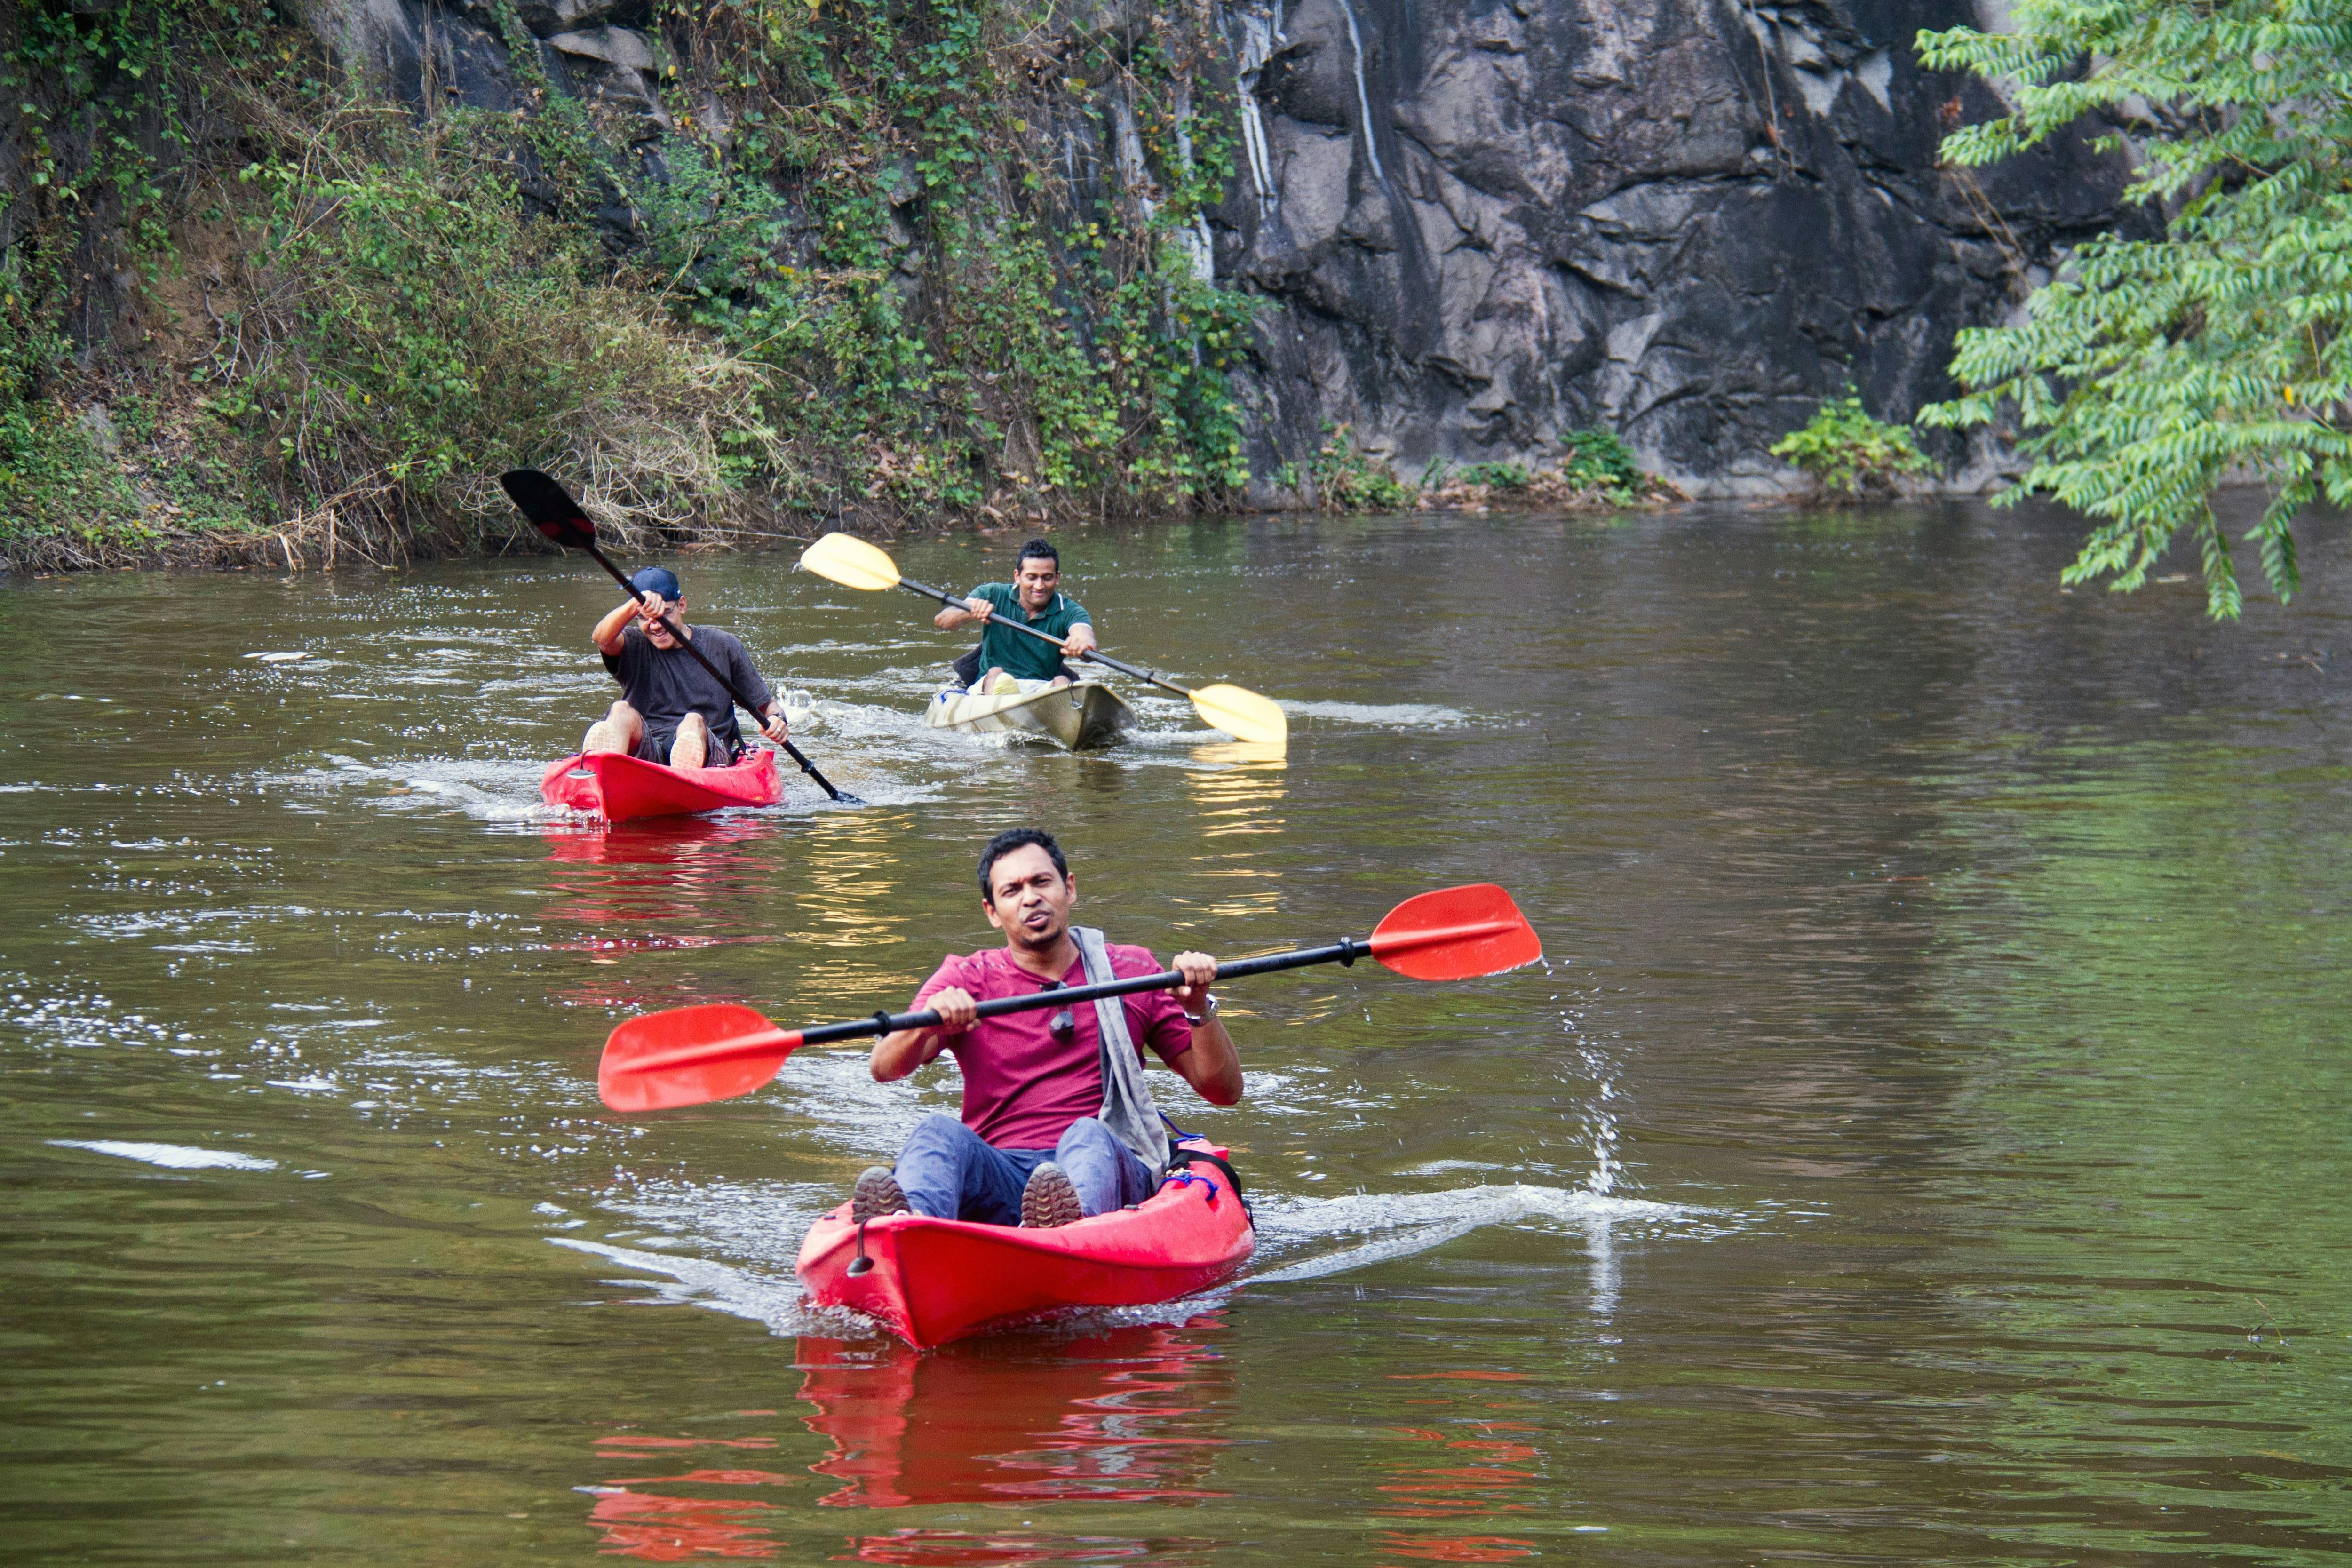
{"x":880,"y":257}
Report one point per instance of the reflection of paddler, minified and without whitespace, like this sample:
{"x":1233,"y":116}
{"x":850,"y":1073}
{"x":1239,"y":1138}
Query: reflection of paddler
{"x":1036,"y":596}
{"x":1058,"y":1122}
{"x":673,"y":711}
{"x":1111,"y":1417}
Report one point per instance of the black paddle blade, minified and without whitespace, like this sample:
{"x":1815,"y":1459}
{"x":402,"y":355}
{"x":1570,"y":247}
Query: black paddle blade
{"x":550,"y":506}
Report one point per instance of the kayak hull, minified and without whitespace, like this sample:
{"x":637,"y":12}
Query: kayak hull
{"x":1077,"y":717}
{"x":934,"y":1280}
{"x":618,"y":787}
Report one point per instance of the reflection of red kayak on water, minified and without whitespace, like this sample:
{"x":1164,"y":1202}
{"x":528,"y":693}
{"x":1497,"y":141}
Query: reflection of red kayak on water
{"x":615,"y":785}
{"x":1115,"y":1418}
{"x":932,"y":1281}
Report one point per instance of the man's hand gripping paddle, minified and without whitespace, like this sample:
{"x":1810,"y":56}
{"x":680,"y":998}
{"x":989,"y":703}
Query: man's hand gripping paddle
{"x":554,"y":513}
{"x":689,"y":1055}
{"x":1241,"y":713}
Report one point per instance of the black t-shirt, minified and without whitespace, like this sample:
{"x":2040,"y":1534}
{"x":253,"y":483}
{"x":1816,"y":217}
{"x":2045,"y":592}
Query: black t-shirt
{"x":665,"y":685}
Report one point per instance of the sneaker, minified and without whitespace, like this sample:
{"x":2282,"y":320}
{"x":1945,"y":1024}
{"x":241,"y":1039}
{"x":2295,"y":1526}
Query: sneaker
{"x":876,"y":1194}
{"x":1049,"y":1200}
{"x":689,"y":747}
{"x":600,"y":738}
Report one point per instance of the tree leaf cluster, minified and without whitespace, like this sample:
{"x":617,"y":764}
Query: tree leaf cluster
{"x":2153,"y":369}
{"x":1849,"y":455}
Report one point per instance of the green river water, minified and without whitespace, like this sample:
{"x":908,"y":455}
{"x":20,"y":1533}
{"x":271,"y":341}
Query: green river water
{"x":1928,"y":1141}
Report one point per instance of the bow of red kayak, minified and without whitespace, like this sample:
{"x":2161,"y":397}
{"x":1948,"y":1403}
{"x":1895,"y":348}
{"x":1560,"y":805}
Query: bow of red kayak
{"x":615,"y":785}
{"x":932,"y":1281}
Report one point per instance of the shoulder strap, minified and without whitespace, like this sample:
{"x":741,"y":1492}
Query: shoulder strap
{"x":1127,"y":1107}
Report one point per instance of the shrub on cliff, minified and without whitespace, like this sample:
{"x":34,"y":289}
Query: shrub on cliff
{"x":2150,"y":369}
{"x":60,"y":500}
{"x":406,"y":329}
{"x":848,"y":262}
{"x":1345,"y":477}
{"x":1851,"y":456}
{"x":1595,"y":468}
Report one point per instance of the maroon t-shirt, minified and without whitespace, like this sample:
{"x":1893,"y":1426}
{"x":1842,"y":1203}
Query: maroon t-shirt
{"x":1022,"y":1089}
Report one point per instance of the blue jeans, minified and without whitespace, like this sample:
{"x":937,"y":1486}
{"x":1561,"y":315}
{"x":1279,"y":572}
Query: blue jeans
{"x":948,"y":1173}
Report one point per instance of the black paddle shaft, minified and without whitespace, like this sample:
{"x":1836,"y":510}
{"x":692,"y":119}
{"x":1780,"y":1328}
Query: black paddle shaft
{"x":555,"y":514}
{"x":1346,"y":951}
{"x":1097,"y":655}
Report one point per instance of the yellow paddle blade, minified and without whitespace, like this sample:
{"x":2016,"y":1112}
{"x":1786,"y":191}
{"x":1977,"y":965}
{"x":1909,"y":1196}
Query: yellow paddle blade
{"x":1243,"y":715}
{"x":850,"y":561}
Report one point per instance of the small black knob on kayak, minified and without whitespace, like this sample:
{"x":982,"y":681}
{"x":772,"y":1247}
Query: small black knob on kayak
{"x":860,"y":1265}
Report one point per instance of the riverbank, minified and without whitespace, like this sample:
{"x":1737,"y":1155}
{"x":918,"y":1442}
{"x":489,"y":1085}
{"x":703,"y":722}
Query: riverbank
{"x":142,"y":473}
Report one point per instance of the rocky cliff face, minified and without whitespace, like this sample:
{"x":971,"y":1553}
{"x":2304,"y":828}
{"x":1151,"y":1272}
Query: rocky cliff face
{"x":1481,"y":223}
{"x":1488,"y":221}
{"x":1474,"y":223}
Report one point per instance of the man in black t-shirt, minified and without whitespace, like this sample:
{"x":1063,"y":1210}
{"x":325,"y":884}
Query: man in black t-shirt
{"x":671,"y":711}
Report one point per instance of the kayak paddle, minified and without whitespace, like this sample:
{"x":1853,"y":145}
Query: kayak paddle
{"x":1241,"y":713}
{"x":689,"y":1055}
{"x":554,"y":513}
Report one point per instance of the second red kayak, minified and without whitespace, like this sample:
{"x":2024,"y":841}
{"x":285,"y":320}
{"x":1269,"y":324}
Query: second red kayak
{"x":932,"y":1281}
{"x":615,"y":785}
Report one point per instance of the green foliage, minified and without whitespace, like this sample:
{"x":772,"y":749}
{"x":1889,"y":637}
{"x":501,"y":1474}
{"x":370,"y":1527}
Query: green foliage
{"x":62,"y":503}
{"x":1347,"y":479}
{"x":862,"y":280}
{"x":1849,"y":455}
{"x":1492,"y":476}
{"x":100,"y":129}
{"x":410,"y":330}
{"x":2151,"y":369}
{"x":1594,"y":468}
{"x":1600,"y":460}
{"x":1058,"y":354}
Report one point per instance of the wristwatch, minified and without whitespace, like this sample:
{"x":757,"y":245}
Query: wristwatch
{"x":1207,"y":1012}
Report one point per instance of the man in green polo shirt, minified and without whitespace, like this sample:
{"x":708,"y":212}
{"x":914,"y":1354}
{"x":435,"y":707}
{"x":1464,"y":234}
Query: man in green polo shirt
{"x":1035,"y":595}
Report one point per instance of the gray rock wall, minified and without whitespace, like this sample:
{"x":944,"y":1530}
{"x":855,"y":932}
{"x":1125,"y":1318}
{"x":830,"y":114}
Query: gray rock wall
{"x":1477,"y":224}
{"x":1485,"y":222}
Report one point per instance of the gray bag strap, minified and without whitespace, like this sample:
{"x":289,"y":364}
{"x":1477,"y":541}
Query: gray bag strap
{"x":1127,"y":1107}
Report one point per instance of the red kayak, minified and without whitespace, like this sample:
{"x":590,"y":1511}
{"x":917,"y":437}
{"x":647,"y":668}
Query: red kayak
{"x":932,"y":1281}
{"x":615,"y":785}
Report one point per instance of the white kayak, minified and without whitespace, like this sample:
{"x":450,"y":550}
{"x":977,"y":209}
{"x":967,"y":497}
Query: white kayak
{"x":1083,"y":714}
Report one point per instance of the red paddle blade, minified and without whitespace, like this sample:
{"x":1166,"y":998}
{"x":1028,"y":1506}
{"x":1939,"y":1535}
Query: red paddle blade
{"x":690,"y":1055}
{"x":1456,"y":933}
{"x":549,"y":506}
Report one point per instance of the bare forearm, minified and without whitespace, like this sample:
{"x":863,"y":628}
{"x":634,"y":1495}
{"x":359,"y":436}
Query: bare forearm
{"x":897,"y":1055}
{"x":608,"y":631}
{"x":952,"y":617}
{"x":1212,"y":1067}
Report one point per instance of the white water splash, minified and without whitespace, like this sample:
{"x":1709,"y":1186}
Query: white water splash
{"x":1600,"y":1123}
{"x":1417,"y":1222}
{"x":171,"y":1157}
{"x":775,"y":1300}
{"x":1383,"y":716}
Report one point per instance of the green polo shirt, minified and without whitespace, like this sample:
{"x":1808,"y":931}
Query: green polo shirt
{"x":1001,"y":648}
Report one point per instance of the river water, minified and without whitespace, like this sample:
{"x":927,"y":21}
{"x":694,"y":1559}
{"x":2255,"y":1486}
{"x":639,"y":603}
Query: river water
{"x":1927,"y":1142}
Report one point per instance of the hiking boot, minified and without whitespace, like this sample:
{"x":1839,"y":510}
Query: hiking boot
{"x":876,"y":1194}
{"x":1049,"y":1200}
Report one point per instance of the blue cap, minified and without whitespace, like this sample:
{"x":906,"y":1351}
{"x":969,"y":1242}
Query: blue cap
{"x":658,"y":580}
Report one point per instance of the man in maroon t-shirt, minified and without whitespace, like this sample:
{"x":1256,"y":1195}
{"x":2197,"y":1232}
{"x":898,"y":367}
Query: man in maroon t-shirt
{"x":1030,"y":1147}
